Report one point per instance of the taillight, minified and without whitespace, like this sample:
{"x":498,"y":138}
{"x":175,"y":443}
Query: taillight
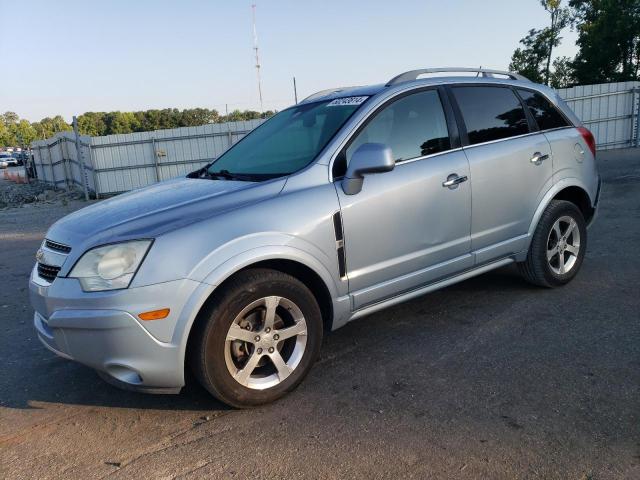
{"x":588,"y":138}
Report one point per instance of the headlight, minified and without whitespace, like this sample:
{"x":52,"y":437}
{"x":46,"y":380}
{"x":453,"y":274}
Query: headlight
{"x":110,"y":267}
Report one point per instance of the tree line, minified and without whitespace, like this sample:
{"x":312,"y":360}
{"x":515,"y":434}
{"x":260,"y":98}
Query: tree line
{"x":15,"y":131}
{"x":608,"y":44}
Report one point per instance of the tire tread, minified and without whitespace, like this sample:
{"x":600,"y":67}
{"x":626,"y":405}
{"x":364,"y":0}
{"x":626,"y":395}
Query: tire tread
{"x":214,"y":308}
{"x":534,"y":269}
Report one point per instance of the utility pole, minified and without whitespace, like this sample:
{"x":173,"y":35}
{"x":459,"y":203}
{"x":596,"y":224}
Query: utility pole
{"x":255,"y":49}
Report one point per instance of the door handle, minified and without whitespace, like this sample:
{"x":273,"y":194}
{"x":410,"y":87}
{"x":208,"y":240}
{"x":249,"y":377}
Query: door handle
{"x":538,"y":158}
{"x":454,"y":180}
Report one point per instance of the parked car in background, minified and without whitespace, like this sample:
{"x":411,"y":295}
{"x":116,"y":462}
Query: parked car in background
{"x":7,"y":160}
{"x":354,"y":200}
{"x":20,"y":157}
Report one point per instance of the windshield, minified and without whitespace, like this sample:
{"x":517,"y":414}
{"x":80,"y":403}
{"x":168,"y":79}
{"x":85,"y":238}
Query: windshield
{"x":287,"y":142}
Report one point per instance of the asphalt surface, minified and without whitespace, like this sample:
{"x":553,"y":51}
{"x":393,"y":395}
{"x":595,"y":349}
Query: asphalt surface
{"x":490,"y":378}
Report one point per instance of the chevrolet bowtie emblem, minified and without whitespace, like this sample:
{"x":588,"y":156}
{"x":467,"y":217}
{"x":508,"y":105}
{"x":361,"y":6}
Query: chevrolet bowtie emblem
{"x":40,"y":255}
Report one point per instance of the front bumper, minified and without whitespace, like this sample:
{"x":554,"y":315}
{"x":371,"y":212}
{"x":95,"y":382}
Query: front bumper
{"x":100,"y":330}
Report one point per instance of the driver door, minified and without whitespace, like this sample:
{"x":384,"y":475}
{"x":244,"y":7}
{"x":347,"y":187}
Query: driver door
{"x":405,"y":229}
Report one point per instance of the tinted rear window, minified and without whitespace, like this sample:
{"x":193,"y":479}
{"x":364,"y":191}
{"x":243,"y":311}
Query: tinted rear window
{"x":490,"y":113}
{"x":546,"y":115}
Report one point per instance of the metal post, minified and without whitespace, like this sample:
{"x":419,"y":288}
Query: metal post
{"x":65,"y":166}
{"x":53,"y":173}
{"x":95,"y":173}
{"x":637,"y":112}
{"x":83,"y":170}
{"x":27,"y":161}
{"x":633,"y":134}
{"x":35,"y":165}
{"x":295,"y":90}
{"x":226,"y":107}
{"x":155,"y":159}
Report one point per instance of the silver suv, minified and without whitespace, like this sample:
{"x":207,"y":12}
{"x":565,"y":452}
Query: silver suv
{"x":351,"y":201}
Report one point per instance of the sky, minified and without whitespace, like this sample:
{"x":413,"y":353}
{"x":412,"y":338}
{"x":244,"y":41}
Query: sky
{"x":68,"y":57}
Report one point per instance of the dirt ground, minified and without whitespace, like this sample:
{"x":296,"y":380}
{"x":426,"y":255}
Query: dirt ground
{"x":490,"y":378}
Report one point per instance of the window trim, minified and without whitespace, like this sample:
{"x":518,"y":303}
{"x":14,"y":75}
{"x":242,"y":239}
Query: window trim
{"x":569,"y":123}
{"x":462,"y":127}
{"x":452,"y":126}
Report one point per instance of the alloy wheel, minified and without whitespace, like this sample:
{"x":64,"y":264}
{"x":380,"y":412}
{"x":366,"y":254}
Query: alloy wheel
{"x":563,"y":245}
{"x":265,"y":342}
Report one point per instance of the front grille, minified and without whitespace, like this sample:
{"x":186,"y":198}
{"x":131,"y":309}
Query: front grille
{"x":58,"y":247}
{"x":48,"y":272}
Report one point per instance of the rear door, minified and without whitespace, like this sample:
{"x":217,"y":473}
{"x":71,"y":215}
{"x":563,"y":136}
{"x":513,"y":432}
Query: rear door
{"x":510,"y":163}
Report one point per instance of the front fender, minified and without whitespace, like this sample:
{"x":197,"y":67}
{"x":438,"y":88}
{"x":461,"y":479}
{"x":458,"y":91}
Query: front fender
{"x":227,"y":259}
{"x":237,"y":259}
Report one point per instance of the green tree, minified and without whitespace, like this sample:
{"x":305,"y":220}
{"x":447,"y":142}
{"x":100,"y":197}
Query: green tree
{"x":24,"y":133}
{"x":6,"y":137}
{"x":528,"y":60}
{"x":92,"y":123}
{"x":193,"y":117}
{"x":121,"y":122}
{"x":533,"y":59}
{"x":15,"y":131}
{"x":559,"y":20}
{"x":9,"y":118}
{"x":562,"y":75}
{"x":608,"y":40}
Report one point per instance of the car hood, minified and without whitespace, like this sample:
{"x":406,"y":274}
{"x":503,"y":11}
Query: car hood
{"x":153,"y":210}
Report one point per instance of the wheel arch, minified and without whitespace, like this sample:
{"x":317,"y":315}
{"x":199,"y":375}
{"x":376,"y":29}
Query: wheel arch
{"x":306,"y":269}
{"x":571,"y":190}
{"x":306,"y":275}
{"x":580,"y":198}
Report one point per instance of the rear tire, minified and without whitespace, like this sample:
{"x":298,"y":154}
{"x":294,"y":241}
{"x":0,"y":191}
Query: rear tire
{"x":257,"y":338}
{"x":558,"y":246}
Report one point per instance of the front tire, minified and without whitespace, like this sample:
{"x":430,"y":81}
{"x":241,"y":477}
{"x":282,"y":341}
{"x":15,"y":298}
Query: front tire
{"x":558,"y":246}
{"x":257,"y":338}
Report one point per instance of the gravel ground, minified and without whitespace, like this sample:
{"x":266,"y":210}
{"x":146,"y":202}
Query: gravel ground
{"x":15,"y":195}
{"x":490,"y":378}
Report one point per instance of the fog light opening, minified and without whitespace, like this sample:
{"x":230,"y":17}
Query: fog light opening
{"x":125,"y":374}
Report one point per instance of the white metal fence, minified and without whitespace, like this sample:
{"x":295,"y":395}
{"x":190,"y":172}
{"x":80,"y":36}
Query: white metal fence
{"x":609,"y":110}
{"x":57,"y":163}
{"x":119,"y":163}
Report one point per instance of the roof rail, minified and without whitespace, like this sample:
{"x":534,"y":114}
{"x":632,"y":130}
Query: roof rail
{"x":414,"y":74}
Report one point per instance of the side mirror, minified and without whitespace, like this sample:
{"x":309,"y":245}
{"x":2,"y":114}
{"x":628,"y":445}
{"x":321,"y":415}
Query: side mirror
{"x":368,"y":158}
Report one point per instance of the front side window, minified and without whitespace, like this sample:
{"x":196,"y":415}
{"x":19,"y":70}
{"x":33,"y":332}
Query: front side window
{"x":490,"y":113}
{"x":546,"y":115}
{"x":413,"y":126}
{"x":287,"y":142}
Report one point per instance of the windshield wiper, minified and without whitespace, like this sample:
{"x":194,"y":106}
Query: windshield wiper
{"x":243,"y":177}
{"x":226,"y":174}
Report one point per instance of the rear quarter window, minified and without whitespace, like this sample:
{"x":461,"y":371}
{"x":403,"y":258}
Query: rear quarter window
{"x":545,"y":113}
{"x":490,"y":113}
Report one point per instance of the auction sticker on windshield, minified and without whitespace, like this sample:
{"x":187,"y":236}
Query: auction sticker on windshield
{"x":347,"y":101}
